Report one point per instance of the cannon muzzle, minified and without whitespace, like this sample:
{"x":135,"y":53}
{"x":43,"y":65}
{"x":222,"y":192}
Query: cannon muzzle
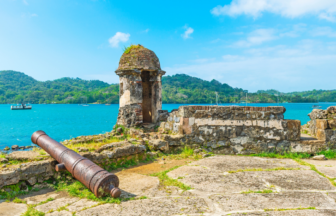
{"x":98,"y":180}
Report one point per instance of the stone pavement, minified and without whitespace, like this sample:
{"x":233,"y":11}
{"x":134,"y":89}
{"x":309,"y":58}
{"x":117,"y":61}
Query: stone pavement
{"x":221,"y":185}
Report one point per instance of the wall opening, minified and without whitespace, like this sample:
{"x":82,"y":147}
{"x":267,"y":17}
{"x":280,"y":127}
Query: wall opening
{"x":146,"y":97}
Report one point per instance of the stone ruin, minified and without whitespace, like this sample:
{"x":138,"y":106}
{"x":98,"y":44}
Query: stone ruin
{"x":322,"y":124}
{"x":140,"y":75}
{"x":222,"y":129}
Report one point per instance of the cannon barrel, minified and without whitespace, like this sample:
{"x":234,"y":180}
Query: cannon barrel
{"x":98,"y":180}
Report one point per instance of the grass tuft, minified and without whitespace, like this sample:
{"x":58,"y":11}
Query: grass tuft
{"x":291,"y":155}
{"x":260,"y":169}
{"x":31,"y":211}
{"x":266,"y":191}
{"x":330,"y":154}
{"x":18,"y":200}
{"x":77,"y":189}
{"x":166,"y":181}
{"x":128,"y":49}
{"x":48,"y":200}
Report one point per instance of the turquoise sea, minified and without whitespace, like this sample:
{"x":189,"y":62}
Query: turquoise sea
{"x":64,"y":121}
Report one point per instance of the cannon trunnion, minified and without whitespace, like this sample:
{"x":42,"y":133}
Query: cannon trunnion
{"x":98,"y":180}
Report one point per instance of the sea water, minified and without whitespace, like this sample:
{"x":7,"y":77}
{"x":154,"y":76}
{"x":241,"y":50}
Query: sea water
{"x":65,"y":121}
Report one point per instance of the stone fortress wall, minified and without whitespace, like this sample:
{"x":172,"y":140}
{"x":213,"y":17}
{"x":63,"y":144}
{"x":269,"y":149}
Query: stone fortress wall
{"x":239,"y":130}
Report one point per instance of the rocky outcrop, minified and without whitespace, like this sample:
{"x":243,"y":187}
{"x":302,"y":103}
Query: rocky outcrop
{"x":31,"y":172}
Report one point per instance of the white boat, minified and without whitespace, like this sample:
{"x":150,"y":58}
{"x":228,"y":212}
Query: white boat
{"x":21,"y":107}
{"x":316,"y":107}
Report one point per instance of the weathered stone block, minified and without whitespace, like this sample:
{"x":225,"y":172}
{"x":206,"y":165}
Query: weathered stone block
{"x":318,"y":114}
{"x":320,"y":134}
{"x":124,"y":151}
{"x":321,"y":124}
{"x":331,"y":109}
{"x":293,"y":130}
{"x":332,"y":123}
{"x":159,"y":145}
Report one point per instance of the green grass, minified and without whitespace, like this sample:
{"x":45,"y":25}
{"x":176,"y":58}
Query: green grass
{"x":14,"y":191}
{"x":289,"y":209}
{"x":330,"y":154}
{"x":46,"y":201}
{"x":77,"y":189}
{"x":283,"y":155}
{"x":2,"y":155}
{"x":63,"y":208}
{"x":128,"y":49}
{"x":166,"y":181}
{"x":263,"y":191}
{"x":312,"y":167}
{"x":18,"y":200}
{"x":31,"y":211}
{"x":184,"y":153}
{"x":260,"y":169}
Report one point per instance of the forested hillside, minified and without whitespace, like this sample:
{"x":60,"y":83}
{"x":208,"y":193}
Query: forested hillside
{"x":16,"y":87}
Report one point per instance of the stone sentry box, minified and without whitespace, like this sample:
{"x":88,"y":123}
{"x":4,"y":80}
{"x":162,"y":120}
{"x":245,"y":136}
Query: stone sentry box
{"x":140,"y":75}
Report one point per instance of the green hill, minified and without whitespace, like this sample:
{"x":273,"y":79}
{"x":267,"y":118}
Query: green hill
{"x":16,"y":87}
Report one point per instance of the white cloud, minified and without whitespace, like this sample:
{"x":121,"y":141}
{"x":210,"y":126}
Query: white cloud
{"x":187,"y":32}
{"x":257,"y":37}
{"x":324,"y":9}
{"x":324,"y":31}
{"x":287,"y":68}
{"x":145,"y":31}
{"x":25,"y":2}
{"x":117,"y":38}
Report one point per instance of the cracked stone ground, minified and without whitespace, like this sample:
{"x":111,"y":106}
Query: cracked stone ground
{"x":221,"y":185}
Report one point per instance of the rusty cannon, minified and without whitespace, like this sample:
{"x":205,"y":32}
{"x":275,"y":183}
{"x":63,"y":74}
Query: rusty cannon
{"x":98,"y":180}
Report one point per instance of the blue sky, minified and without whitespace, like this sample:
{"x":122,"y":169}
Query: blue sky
{"x":252,"y":44}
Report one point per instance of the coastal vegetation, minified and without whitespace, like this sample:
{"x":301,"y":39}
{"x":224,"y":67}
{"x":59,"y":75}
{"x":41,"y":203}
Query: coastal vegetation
{"x":17,"y":87}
